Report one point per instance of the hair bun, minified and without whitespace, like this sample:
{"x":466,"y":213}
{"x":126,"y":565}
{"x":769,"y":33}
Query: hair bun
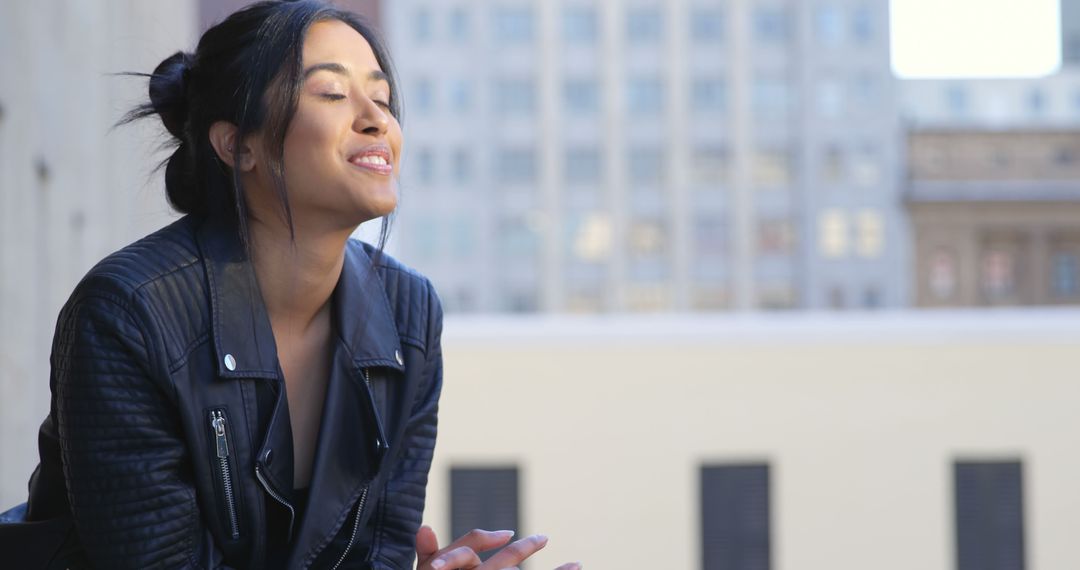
{"x":168,"y":91}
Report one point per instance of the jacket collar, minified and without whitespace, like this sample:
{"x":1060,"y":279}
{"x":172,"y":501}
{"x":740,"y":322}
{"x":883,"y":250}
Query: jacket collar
{"x":242,"y":336}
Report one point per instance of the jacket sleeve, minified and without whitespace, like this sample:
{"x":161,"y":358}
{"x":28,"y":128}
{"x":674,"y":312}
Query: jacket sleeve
{"x":122,"y":448}
{"x":402,"y":501}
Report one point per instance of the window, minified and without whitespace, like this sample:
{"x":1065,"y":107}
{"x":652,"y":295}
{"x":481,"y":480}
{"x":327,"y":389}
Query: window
{"x":770,"y":97}
{"x":1066,"y":274}
{"x":422,"y":25}
{"x":516,"y":166}
{"x":1036,"y":102}
{"x":513,"y":25}
{"x":424,"y":96}
{"x":830,"y":25}
{"x":989,"y":503}
{"x":580,"y":25}
{"x":710,"y":235}
{"x":706,"y":25}
{"x":864,"y":91}
{"x":516,"y":237}
{"x":515,"y":97}
{"x":644,"y":25}
{"x":942,"y":274}
{"x":771,"y":168}
{"x":646,"y":166}
{"x":425,"y":166}
{"x":775,"y":236}
{"x":582,"y":166}
{"x":648,"y":237}
{"x":770,"y":25}
{"x":832,"y":165}
{"x":645,"y":96}
{"x":589,"y":237}
{"x":870,"y":236}
{"x":865,"y":168}
{"x":833,"y":233}
{"x":708,"y":96}
{"x":484,"y":498}
{"x":459,"y":25}
{"x":709,"y":166}
{"x":862,"y":24}
{"x":735,"y":507}
{"x":581,"y":96}
{"x":462,"y":167}
{"x":830,"y":98}
{"x":462,"y":238}
{"x":956,"y":99}
{"x":998,"y":274}
{"x":460,"y":95}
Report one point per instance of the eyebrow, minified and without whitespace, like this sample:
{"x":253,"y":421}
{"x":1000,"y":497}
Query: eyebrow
{"x":373,"y":75}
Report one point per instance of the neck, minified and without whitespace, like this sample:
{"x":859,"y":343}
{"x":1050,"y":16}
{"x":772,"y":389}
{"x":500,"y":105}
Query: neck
{"x":296,"y":278}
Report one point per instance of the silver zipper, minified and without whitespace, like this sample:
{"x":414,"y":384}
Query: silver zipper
{"x":217,"y":422}
{"x":355,"y":527}
{"x":363,"y":496}
{"x":292,"y":513}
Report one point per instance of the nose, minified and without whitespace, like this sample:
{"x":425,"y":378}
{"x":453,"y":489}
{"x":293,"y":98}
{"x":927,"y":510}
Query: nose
{"x":371,"y":118}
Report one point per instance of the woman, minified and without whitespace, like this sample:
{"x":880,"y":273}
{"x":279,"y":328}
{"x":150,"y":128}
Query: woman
{"x":248,"y":387}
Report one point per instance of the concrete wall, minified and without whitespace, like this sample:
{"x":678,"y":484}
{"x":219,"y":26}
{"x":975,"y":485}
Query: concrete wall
{"x":71,"y":190}
{"x":859,"y":417}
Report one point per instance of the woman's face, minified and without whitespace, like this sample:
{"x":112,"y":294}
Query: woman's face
{"x":343,"y":146}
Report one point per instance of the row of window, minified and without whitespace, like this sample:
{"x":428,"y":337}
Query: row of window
{"x":737,"y":510}
{"x":580,"y":96}
{"x":1000,"y":275}
{"x":515,"y":25}
{"x":645,"y":25}
{"x":647,"y":167}
{"x":842,"y":233}
{"x":1037,"y":102}
{"x":589,"y":238}
{"x":772,"y":97}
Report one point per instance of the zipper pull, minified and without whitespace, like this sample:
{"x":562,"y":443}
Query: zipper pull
{"x":219,"y":432}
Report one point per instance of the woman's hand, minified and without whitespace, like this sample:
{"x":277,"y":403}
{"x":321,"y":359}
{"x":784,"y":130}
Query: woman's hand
{"x":463,"y":552}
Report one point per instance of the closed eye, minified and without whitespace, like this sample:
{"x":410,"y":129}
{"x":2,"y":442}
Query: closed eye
{"x":332,"y":96}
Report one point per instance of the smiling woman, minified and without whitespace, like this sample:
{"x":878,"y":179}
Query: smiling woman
{"x":250,"y":387}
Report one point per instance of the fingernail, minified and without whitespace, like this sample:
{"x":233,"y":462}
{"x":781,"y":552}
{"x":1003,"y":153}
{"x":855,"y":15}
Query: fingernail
{"x":438,"y":564}
{"x":542,"y":538}
{"x":506,"y":533}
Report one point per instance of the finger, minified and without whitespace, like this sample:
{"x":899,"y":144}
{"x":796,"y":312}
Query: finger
{"x":461,"y":557}
{"x":516,"y":552}
{"x":427,"y":543}
{"x":482,"y":540}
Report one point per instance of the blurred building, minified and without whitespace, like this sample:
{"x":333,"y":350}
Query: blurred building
{"x":932,"y":440}
{"x":1051,"y":101}
{"x":605,"y":156}
{"x":995,"y":216}
{"x":214,"y":11}
{"x":72,"y":189}
{"x":1070,"y":32}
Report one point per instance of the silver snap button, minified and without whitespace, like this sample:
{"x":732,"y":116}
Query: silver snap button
{"x":397,"y":355}
{"x":230,"y":362}
{"x":268,"y":456}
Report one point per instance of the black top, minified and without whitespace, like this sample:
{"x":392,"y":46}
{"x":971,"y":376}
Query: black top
{"x":278,"y":525}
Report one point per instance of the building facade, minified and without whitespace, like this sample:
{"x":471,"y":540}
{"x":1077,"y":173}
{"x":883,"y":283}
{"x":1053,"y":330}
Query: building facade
{"x":929,"y":440}
{"x":995,"y":217}
{"x":608,"y":156}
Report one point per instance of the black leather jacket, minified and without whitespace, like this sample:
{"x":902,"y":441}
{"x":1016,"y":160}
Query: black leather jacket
{"x":168,"y":442}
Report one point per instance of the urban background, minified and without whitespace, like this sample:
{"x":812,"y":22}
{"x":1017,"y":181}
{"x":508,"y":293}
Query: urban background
{"x":723,"y":291}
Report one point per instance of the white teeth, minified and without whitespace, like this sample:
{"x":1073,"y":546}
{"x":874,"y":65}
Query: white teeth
{"x":372,"y":159}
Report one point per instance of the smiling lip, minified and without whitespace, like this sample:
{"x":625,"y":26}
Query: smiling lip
{"x":363,"y":158}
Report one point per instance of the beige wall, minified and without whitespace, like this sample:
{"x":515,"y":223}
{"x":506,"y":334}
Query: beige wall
{"x":859,"y":417}
{"x":71,"y":191}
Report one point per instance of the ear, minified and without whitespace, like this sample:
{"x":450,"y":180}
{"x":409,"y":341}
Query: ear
{"x":227,"y":148}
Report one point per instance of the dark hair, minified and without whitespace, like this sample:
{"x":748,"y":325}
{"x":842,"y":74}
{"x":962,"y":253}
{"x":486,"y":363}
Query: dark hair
{"x":248,"y":70}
